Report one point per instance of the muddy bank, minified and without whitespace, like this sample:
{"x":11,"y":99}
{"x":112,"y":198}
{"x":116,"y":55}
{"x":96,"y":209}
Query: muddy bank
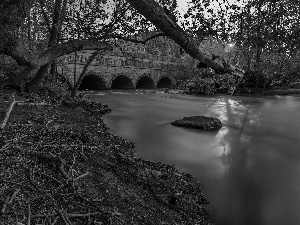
{"x":61,"y":165}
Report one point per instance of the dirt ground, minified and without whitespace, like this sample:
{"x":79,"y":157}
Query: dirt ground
{"x":59,"y":164}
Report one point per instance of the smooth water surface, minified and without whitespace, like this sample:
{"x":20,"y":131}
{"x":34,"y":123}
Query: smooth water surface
{"x":249,"y":170}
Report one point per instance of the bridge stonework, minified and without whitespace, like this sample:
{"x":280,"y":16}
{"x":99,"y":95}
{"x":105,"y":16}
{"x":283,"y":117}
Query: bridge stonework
{"x":116,"y":64}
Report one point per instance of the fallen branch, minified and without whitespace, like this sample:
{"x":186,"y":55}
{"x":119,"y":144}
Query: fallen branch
{"x":54,"y":222}
{"x":34,"y":103}
{"x":70,"y":215}
{"x":29,"y":215}
{"x":8,"y":114}
{"x":82,"y":176}
{"x":64,"y":217}
{"x":62,"y":146}
{"x":28,"y":103}
{"x":14,"y":195}
{"x":89,"y":217}
{"x":9,"y":200}
{"x":3,"y":209}
{"x":58,"y":162}
{"x":5,"y":146}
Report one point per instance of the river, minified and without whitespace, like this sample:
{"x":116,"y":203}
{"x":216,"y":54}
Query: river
{"x":249,"y":170}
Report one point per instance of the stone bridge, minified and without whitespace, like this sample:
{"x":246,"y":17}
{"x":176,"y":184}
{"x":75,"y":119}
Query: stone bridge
{"x":118,"y":70}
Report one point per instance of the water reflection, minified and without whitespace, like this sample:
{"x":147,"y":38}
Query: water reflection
{"x":249,"y":170}
{"x":235,"y":143}
{"x":257,"y":137}
{"x":236,"y":154}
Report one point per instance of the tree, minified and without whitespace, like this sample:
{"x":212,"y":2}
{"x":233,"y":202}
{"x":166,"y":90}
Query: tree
{"x":266,"y":29}
{"x":57,"y":19}
{"x":15,"y":46}
{"x":13,"y":13}
{"x":154,"y":13}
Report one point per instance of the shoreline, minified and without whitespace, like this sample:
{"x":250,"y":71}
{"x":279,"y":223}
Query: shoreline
{"x":292,"y":92}
{"x":283,"y":92}
{"x":95,"y":174}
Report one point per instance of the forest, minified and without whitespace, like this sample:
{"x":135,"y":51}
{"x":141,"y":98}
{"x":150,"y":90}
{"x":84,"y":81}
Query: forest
{"x":262,"y":35}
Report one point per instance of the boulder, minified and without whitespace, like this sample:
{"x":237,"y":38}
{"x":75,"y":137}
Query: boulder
{"x":106,"y":108}
{"x":199,"y":122}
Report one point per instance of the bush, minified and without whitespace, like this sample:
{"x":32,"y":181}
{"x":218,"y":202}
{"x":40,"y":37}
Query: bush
{"x":202,"y":86}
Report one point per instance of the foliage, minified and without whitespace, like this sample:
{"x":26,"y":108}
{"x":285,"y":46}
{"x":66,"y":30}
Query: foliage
{"x":259,"y":35}
{"x":265,"y":34}
{"x":201,"y":86}
{"x":211,"y":83}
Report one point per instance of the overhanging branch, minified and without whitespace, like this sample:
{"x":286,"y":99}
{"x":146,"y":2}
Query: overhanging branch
{"x":72,"y":46}
{"x":153,"y":12}
{"x":25,"y":57}
{"x":137,"y":40}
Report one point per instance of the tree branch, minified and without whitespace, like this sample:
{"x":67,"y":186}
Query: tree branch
{"x":139,"y":41}
{"x":155,"y":14}
{"x":24,"y":57}
{"x":72,"y":46}
{"x":77,"y":85}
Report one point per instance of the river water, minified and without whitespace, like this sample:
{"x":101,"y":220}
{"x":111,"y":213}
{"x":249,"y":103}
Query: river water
{"x":249,"y":170}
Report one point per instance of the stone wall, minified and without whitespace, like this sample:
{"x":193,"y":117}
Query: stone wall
{"x":110,"y":65}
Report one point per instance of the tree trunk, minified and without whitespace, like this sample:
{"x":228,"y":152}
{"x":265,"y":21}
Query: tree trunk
{"x":153,"y":12}
{"x":34,"y":83}
{"x":12,"y":17}
{"x":78,"y":82}
{"x":258,"y":43}
{"x":53,"y":71}
{"x":258,"y":72}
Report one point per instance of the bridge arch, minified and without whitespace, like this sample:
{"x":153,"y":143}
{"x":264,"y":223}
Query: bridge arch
{"x":92,"y":82}
{"x":145,"y":82}
{"x":164,"y":82}
{"x":121,"y":81}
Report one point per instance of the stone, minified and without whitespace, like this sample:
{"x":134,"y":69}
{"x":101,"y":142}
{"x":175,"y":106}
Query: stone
{"x":106,"y":108}
{"x":199,"y":122}
{"x":101,"y":111}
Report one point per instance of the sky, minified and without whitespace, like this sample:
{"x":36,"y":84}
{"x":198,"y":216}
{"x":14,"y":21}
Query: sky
{"x":183,"y":4}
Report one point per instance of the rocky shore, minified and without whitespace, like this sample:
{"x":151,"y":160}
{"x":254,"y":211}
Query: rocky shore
{"x":61,"y":165}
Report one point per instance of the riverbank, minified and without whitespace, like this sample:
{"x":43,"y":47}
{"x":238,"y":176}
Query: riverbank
{"x":264,"y":93}
{"x":281,"y":92}
{"x":60,"y":164}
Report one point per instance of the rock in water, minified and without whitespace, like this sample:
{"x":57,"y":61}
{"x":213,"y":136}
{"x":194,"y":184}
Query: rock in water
{"x":199,"y":122}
